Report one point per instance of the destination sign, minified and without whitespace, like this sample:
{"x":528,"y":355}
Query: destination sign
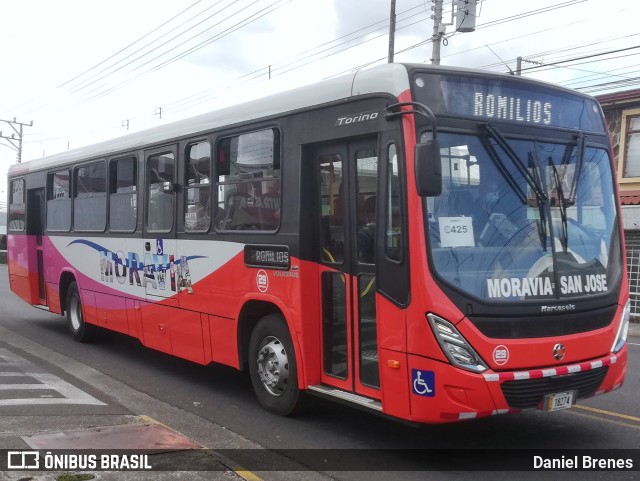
{"x":506,"y":100}
{"x":270,"y":256}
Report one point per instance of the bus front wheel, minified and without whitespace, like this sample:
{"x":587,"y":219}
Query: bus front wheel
{"x":79,"y":329}
{"x":272,"y":366}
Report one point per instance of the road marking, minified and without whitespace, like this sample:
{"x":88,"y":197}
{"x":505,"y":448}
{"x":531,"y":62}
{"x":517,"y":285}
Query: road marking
{"x":46,"y":381}
{"x":600,"y":418}
{"x":608,"y":413}
{"x":239,"y":470}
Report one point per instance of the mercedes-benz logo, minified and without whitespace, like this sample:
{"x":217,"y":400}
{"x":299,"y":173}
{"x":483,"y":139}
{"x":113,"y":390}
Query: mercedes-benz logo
{"x":559,"y":351}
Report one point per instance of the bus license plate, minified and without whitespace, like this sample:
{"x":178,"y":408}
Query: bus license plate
{"x":558,"y":401}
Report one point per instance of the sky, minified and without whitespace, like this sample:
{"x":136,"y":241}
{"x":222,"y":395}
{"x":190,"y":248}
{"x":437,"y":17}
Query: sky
{"x":84,"y":71}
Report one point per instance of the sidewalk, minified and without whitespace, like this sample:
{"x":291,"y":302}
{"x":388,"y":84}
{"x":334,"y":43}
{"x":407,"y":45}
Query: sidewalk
{"x":106,"y":415}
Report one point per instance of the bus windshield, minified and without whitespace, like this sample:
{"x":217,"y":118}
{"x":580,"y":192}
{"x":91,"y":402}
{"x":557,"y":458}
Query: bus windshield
{"x":524,"y":220}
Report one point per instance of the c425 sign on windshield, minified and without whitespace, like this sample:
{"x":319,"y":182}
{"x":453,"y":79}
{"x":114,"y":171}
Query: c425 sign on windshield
{"x":456,"y":232}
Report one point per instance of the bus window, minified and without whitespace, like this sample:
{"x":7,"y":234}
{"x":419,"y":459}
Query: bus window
{"x":393,"y":239}
{"x":160,"y":169}
{"x":367,"y":179}
{"x":16,"y":205}
{"x":248,"y":168}
{"x":332,"y":208}
{"x":123,"y":205}
{"x":198,"y":187}
{"x":90,"y":205}
{"x":58,"y":201}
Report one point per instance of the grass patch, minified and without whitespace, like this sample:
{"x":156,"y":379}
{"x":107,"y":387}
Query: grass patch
{"x":74,"y":477}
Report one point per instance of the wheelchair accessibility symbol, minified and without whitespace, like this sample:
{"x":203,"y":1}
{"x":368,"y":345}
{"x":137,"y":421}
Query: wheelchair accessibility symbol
{"x":423,"y":382}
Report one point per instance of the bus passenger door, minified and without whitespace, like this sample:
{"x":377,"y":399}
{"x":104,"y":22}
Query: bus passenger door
{"x":35,"y":227}
{"x":159,"y":243}
{"x":347,"y":177}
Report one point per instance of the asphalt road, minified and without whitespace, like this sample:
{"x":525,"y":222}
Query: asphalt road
{"x":216,"y":404}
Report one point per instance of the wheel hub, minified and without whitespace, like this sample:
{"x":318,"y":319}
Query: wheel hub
{"x":273,"y":366}
{"x":75,"y":313}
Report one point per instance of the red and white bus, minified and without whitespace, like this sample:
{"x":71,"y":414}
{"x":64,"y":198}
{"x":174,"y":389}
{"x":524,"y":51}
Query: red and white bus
{"x":435,"y":244}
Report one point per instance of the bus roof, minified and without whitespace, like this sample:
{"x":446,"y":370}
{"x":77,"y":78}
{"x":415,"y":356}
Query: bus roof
{"x":388,"y":78}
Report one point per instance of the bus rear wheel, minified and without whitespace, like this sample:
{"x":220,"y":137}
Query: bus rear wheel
{"x":272,"y":366}
{"x":79,"y":329}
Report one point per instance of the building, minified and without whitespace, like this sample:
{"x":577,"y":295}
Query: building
{"x":622,"y":111}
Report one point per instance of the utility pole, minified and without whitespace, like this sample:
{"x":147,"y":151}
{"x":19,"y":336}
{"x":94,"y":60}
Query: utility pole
{"x":464,"y":12}
{"x":16,"y":142}
{"x":392,"y":30}
{"x":437,"y":33}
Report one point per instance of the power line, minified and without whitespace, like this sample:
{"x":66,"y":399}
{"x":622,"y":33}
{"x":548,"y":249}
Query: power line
{"x":307,"y":55}
{"x":242,"y":23}
{"x":131,"y":44}
{"x":559,"y":62}
{"x":305,"y":60}
{"x":140,"y":57}
{"x":15,"y":142}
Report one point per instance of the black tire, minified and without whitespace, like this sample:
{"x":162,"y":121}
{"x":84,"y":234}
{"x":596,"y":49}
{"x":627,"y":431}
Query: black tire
{"x":79,"y":329}
{"x":272,"y":367}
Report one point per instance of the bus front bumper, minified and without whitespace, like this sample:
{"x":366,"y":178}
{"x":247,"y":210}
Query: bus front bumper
{"x":441,"y":393}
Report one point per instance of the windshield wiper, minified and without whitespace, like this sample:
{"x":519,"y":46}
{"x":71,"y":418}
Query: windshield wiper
{"x":532,"y":178}
{"x":497,"y":161}
{"x":542,"y":225}
{"x":504,"y":145}
{"x":576,"y":176}
{"x":562,"y":204}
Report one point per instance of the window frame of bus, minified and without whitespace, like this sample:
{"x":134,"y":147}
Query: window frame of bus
{"x":49,"y":191}
{"x":113,"y":190}
{"x":223,"y":145}
{"x":147,"y":193}
{"x":11,"y":204}
{"x":199,"y":186}
{"x":395,"y":253}
{"x":79,"y":199}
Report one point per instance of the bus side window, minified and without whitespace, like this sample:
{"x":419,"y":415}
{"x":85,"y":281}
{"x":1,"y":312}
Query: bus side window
{"x":394,"y":236}
{"x":367,"y":180}
{"x":59,"y":201}
{"x":123,"y":205}
{"x":332,"y":208}
{"x":248,"y":183}
{"x":16,"y":205}
{"x":90,"y":193}
{"x":197,"y":213}
{"x":160,"y":170}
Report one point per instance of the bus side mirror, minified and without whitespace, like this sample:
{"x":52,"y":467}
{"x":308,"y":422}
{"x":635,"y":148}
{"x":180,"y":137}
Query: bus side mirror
{"x":428,"y":168}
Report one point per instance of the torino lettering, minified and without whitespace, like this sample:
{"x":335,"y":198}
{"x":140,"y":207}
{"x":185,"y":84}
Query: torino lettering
{"x":159,"y":271}
{"x":354,"y":119}
{"x":512,"y":108}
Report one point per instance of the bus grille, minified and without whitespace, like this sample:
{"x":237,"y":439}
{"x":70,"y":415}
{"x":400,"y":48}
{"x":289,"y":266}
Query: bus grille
{"x":529,"y":393}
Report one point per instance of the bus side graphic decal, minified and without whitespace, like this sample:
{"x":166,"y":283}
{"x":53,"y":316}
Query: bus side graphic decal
{"x":154,"y":269}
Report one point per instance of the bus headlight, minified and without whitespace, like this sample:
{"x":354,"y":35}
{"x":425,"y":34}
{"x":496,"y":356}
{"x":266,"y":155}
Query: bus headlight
{"x":623,"y":330}
{"x":454,"y":346}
